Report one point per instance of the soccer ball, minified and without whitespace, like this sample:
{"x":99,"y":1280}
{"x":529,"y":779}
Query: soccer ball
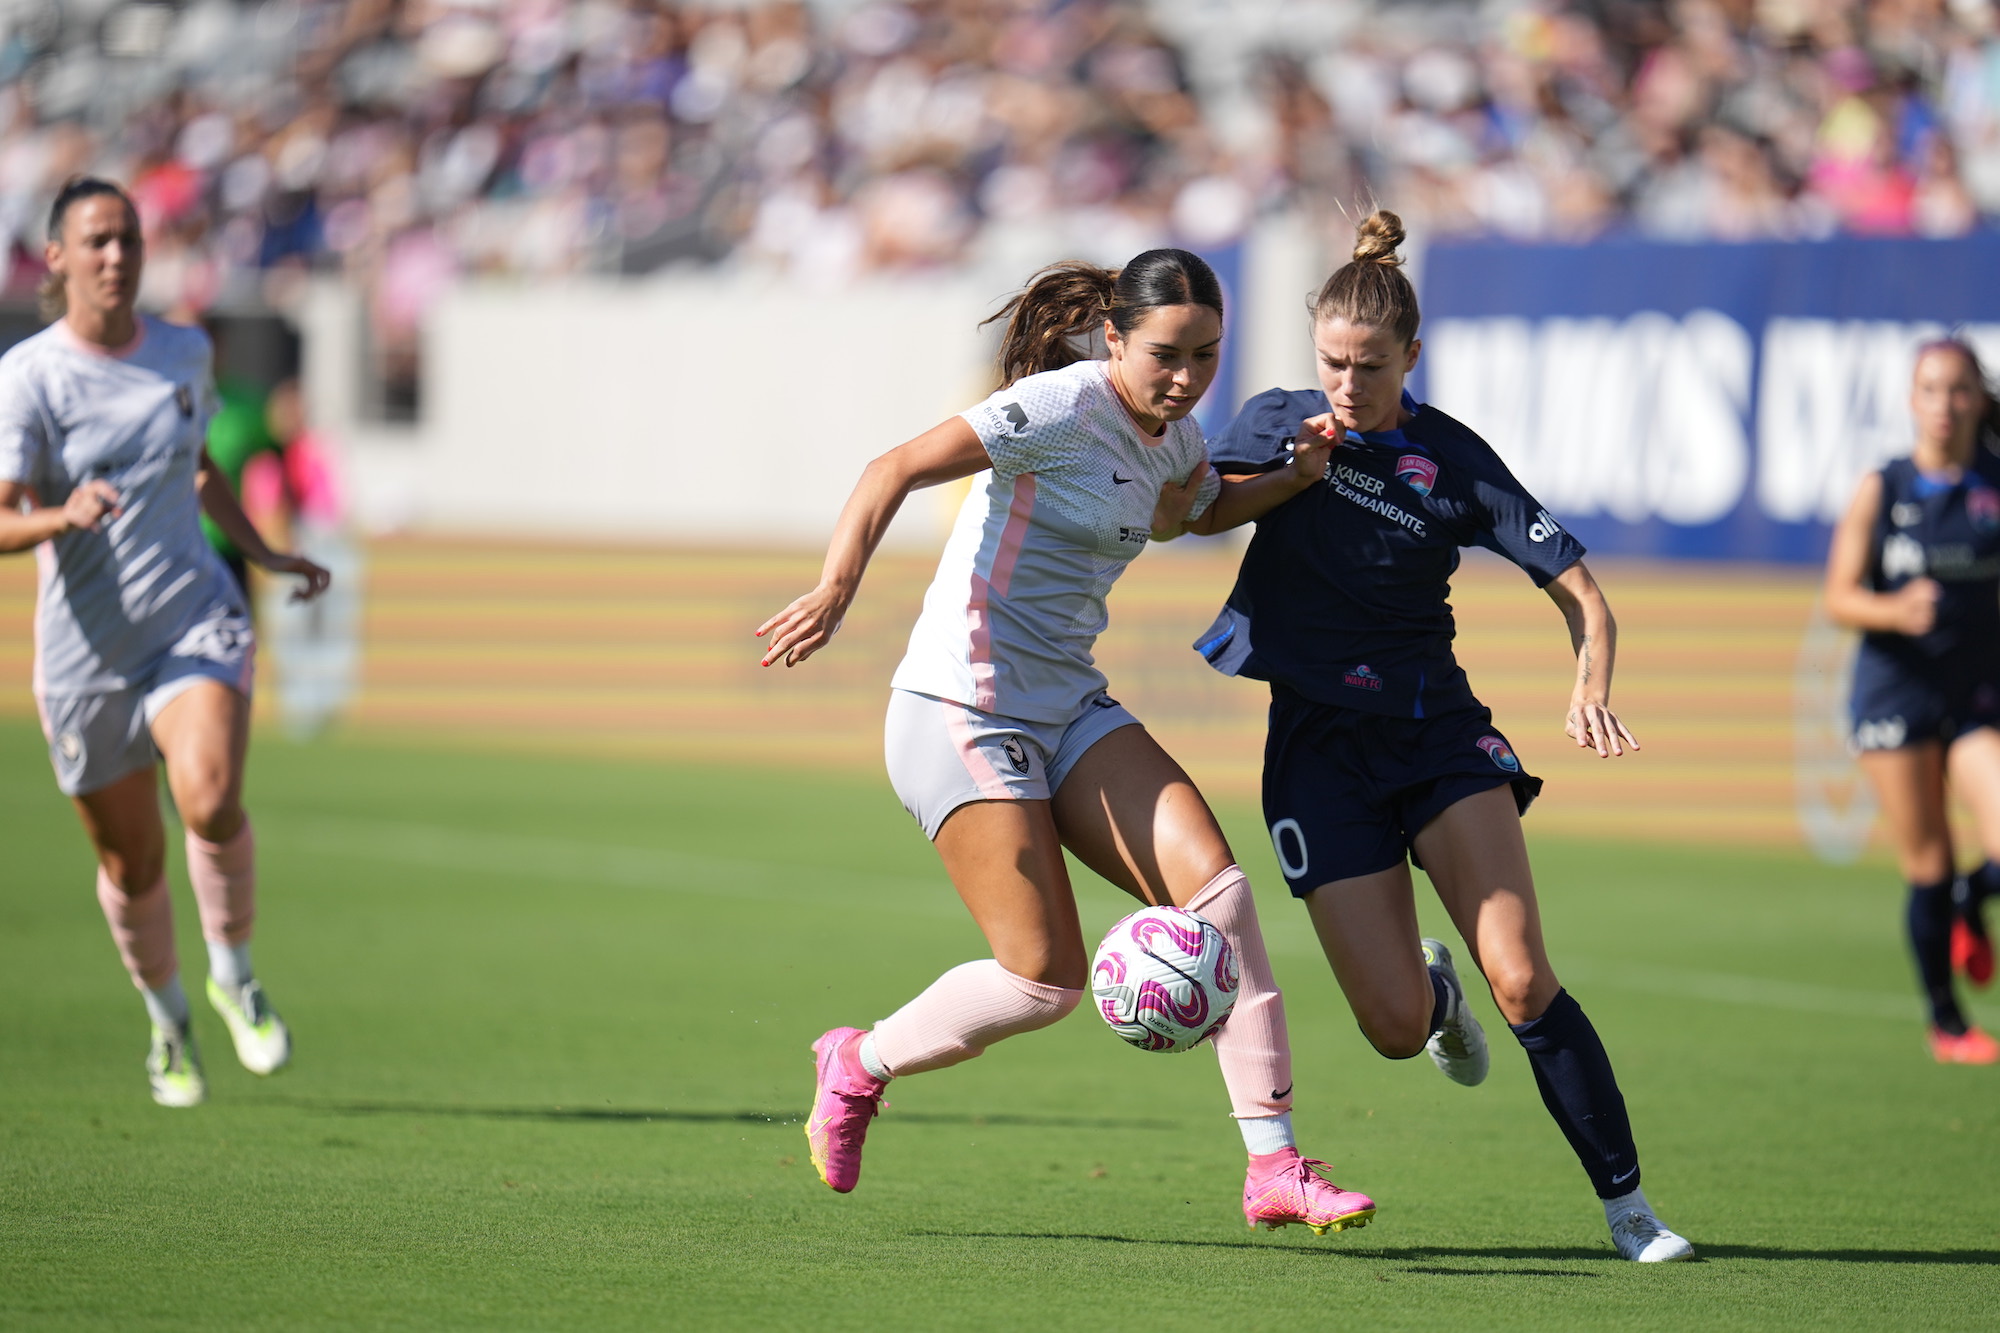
{"x":1164,"y":979}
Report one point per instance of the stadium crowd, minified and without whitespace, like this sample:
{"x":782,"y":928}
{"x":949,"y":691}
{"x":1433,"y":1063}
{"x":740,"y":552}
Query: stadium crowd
{"x":405,"y":141}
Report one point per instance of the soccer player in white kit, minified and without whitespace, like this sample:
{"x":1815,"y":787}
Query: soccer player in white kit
{"x":143,"y":648}
{"x":1001,"y":740}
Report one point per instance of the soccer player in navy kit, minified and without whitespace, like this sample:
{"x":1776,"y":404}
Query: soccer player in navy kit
{"x":1915,"y":565}
{"x":1000,"y":738}
{"x":1378,"y":752}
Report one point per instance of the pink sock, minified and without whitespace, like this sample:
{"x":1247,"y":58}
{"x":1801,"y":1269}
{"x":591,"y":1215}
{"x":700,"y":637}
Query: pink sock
{"x":962,"y":1013}
{"x":142,"y":926}
{"x":1253,"y":1046}
{"x":224,"y":875}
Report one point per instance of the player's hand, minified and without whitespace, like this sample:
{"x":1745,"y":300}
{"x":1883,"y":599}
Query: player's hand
{"x":1170,"y":513}
{"x":88,"y":504}
{"x":804,"y":627}
{"x":1593,"y":726}
{"x":1915,"y":607}
{"x":1318,"y":437}
{"x":317,"y":578}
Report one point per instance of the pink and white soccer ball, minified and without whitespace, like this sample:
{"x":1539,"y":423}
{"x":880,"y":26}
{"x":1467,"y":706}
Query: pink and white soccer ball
{"x":1164,"y":978}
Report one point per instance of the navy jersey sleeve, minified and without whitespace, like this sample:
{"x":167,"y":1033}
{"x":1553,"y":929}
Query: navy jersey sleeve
{"x":1259,"y":439}
{"x":1513,"y":523}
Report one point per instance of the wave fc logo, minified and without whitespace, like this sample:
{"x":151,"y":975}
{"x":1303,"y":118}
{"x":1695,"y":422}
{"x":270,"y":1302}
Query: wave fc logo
{"x":1417,"y":472}
{"x":1982,"y":505}
{"x":1361,"y":678}
{"x":1496,"y":750}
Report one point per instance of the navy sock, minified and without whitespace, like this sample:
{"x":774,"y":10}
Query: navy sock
{"x":1969,"y":893}
{"x":1929,"y":918}
{"x":1440,"y":1001}
{"x":1582,"y":1094}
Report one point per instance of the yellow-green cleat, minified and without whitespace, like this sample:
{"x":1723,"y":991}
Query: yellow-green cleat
{"x":263,"y":1043}
{"x":173,"y":1067}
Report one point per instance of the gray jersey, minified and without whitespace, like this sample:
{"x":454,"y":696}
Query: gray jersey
{"x":114,"y":602}
{"x":1018,"y":600}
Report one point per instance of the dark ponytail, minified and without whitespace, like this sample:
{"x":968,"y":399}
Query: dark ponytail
{"x":1066,"y":302}
{"x":1371,"y":289}
{"x":49,"y":295}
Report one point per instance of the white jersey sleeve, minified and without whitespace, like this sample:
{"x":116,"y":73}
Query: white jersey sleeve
{"x":23,"y":441}
{"x":1022,"y":425}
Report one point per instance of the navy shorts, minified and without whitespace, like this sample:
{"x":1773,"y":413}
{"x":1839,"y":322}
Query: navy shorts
{"x":1347,"y":792}
{"x":1893,"y":706}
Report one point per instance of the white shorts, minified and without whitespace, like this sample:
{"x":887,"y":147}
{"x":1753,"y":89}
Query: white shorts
{"x":942,"y":755}
{"x":96,"y":739}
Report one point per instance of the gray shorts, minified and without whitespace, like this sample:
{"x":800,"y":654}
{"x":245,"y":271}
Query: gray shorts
{"x":96,"y":739}
{"x":943,"y":755}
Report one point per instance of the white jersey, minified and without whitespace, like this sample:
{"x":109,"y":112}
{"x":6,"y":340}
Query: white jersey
{"x":112,"y":603}
{"x":1018,"y":601}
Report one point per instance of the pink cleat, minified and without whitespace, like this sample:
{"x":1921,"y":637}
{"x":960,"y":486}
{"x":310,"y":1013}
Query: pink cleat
{"x":847,"y":1098}
{"x":1971,"y":1047}
{"x":1283,"y":1187}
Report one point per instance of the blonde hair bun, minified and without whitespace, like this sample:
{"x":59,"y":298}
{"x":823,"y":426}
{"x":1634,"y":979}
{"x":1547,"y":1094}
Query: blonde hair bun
{"x":1378,"y":238}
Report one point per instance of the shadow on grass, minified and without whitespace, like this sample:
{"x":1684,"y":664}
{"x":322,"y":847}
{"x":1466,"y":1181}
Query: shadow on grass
{"x":1543,"y":1253}
{"x":667,"y":1115}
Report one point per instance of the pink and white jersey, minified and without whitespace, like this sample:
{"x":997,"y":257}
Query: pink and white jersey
{"x":1018,"y":601}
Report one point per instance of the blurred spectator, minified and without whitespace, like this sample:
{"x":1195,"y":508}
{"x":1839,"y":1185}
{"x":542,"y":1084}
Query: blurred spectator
{"x":404,"y":142}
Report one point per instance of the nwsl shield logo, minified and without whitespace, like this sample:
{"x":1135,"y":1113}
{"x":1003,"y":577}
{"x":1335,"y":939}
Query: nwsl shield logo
{"x":1496,"y":750}
{"x":1417,"y":472}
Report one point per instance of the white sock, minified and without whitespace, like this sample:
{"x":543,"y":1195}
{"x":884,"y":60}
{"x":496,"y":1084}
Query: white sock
{"x":168,"y":1006}
{"x":1635,"y":1202}
{"x":229,"y":963}
{"x":871,"y":1061}
{"x":1267,"y":1133}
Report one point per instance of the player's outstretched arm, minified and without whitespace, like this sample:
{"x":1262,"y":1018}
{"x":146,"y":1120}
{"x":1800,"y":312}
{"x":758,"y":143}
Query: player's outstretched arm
{"x":1594,"y":635}
{"x":1911,"y":609}
{"x":943,"y":453}
{"x":24,"y":529}
{"x":1248,"y":498}
{"x":219,"y":502}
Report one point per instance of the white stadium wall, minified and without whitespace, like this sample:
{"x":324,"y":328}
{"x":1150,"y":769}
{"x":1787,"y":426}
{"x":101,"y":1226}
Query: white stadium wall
{"x":693,"y":407}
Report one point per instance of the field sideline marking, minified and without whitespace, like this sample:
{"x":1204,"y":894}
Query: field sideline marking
{"x":529,"y":856}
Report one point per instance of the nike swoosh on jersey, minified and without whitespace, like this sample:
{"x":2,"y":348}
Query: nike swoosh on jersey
{"x":1117,"y":480}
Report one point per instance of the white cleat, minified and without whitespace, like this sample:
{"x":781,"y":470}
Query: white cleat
{"x":1459,"y":1047}
{"x":263,"y":1043}
{"x":1644,"y":1239}
{"x":173,"y":1068}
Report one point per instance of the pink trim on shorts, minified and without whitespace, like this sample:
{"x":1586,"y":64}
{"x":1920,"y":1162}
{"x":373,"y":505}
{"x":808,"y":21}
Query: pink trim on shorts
{"x":980,"y":654}
{"x":978,"y":766}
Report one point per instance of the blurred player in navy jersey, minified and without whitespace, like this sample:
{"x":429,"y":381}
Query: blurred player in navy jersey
{"x":1915,"y":566}
{"x":1378,"y":753}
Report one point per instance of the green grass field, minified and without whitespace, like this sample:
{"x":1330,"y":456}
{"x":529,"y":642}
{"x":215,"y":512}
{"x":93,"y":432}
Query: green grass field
{"x":552,"y":1019}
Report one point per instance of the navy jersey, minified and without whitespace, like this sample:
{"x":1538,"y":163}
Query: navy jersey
{"x":1342,"y":593}
{"x":1947,"y":530}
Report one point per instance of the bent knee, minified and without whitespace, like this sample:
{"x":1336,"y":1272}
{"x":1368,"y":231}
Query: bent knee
{"x":1395,"y":1034}
{"x":212,"y":815}
{"x":135,"y":878}
{"x":1522,"y":993}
